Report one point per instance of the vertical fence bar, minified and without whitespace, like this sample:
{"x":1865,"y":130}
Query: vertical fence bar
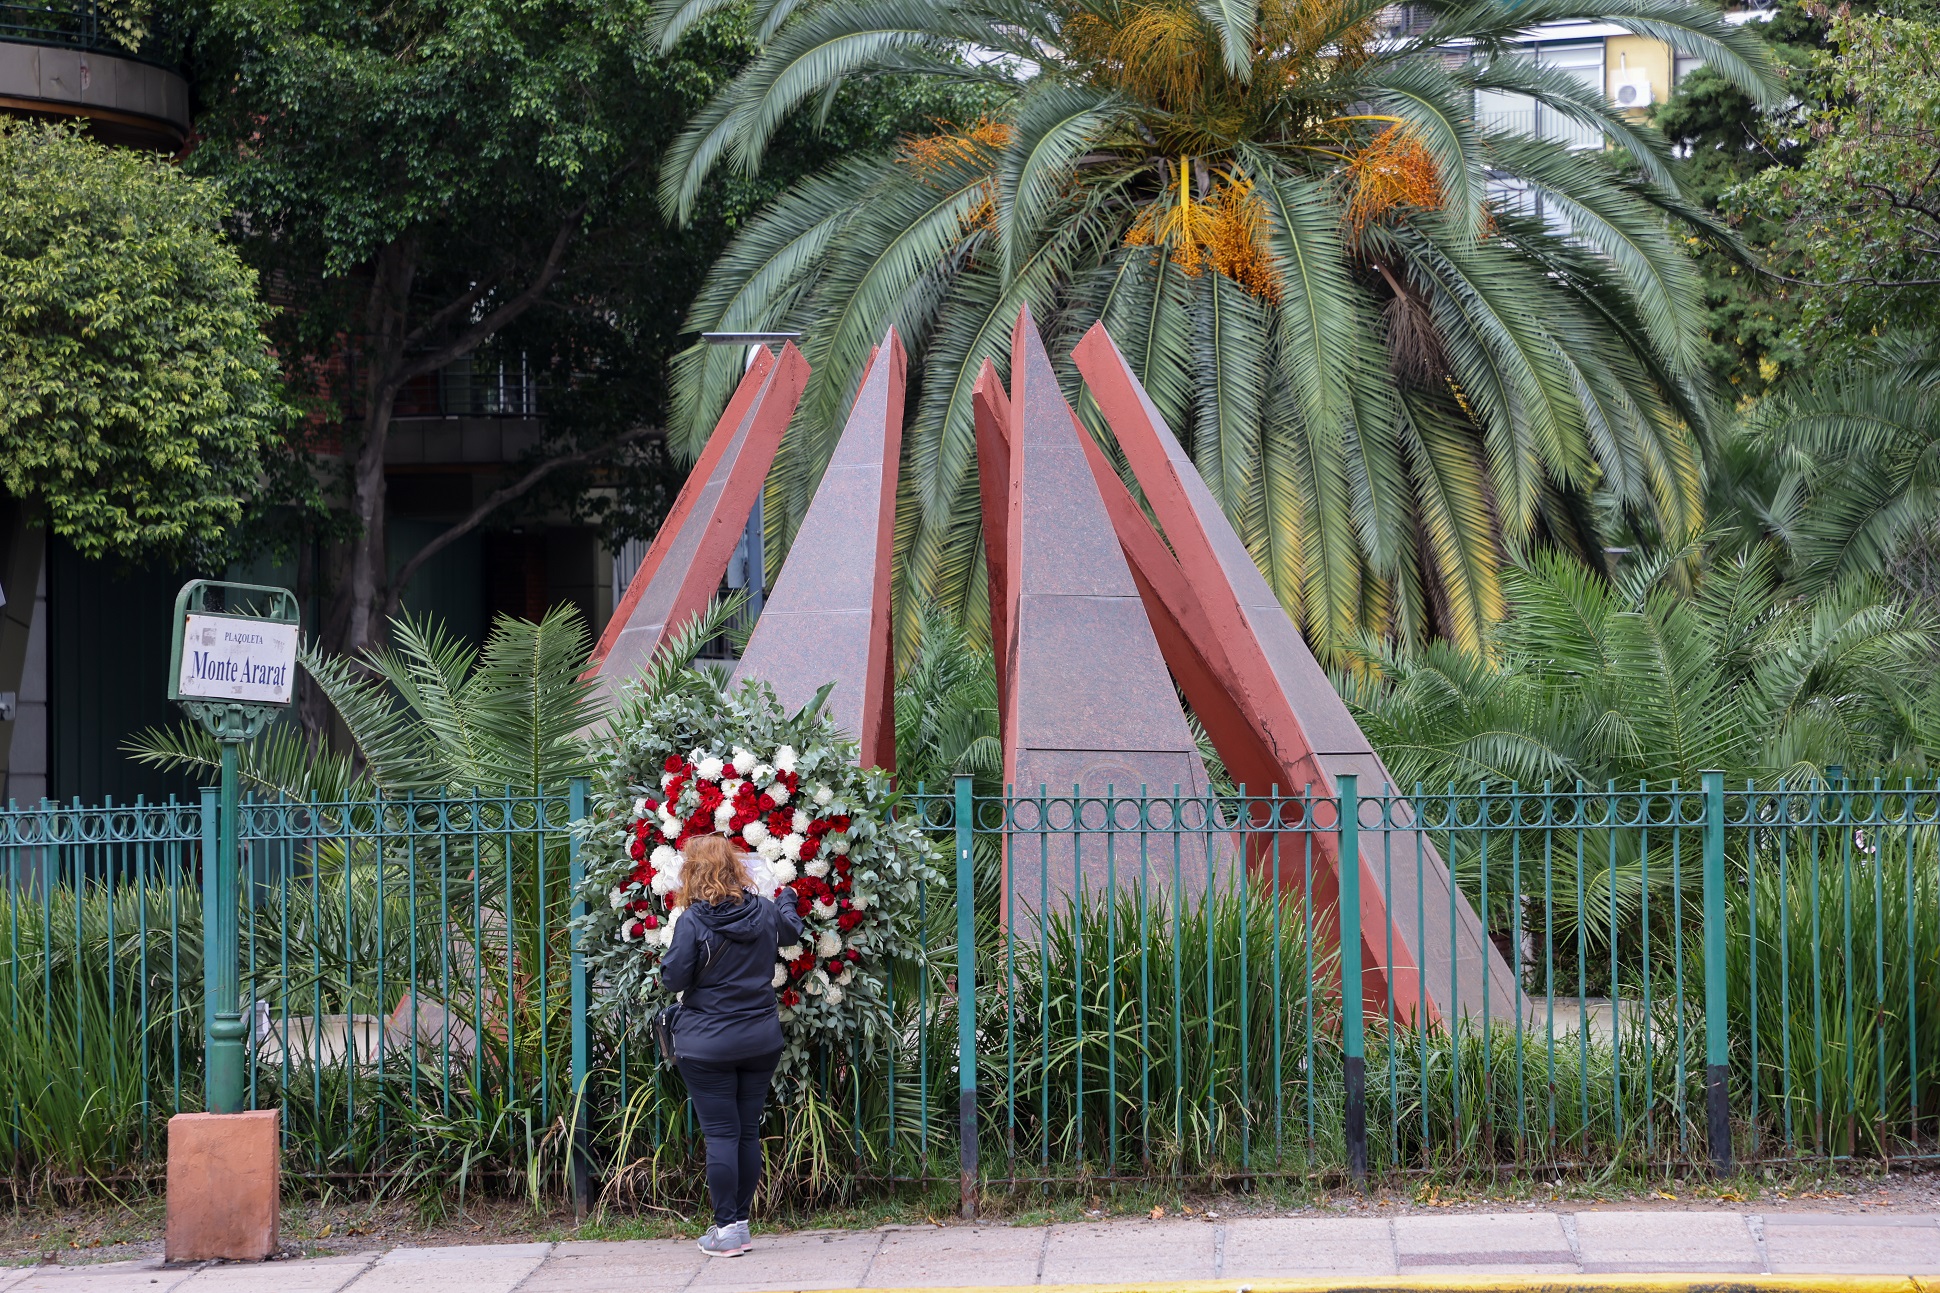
{"x":1353,"y":1043}
{"x":1716,"y":1057}
{"x":576,"y":873}
{"x":966,"y":1001}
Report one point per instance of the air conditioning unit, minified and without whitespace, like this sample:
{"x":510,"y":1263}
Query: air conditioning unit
{"x":1630,"y":87}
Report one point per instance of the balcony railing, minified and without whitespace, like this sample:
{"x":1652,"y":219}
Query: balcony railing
{"x":70,"y":24}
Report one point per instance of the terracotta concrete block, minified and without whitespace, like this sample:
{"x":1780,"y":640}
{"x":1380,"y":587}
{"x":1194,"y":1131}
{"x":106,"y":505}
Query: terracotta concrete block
{"x":224,"y":1185}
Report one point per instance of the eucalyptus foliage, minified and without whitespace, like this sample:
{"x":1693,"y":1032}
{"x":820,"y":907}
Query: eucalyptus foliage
{"x":137,"y":391}
{"x":1284,"y":216}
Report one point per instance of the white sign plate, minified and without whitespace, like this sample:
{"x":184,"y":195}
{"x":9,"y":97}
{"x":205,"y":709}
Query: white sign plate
{"x":224,"y":658}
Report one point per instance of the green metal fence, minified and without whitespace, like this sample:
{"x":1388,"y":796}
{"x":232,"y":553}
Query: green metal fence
{"x":1114,"y":987}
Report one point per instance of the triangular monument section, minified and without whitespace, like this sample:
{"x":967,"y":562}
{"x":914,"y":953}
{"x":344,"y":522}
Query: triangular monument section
{"x":689,"y":555}
{"x":1086,"y":700}
{"x":1288,"y":725}
{"x":827,"y":620}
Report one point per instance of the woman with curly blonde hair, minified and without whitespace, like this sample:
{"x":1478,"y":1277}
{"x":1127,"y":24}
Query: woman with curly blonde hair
{"x":727,"y":1036}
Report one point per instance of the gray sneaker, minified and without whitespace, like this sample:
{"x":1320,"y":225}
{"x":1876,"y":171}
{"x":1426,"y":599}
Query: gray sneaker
{"x":724,"y":1241}
{"x":740,"y":1234}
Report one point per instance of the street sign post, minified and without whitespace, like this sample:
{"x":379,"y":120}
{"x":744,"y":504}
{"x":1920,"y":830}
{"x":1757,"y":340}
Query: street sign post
{"x":233,"y":670}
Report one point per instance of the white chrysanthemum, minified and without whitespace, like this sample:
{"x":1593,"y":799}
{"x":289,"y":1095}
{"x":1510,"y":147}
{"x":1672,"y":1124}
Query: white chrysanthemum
{"x":800,"y":822}
{"x":724,"y":818}
{"x":769,"y":849}
{"x":815,"y":983}
{"x":666,"y":935}
{"x":669,"y":825}
{"x":786,"y":758}
{"x":840,"y":844}
{"x":781,"y":975}
{"x":744,"y":761}
{"x":616,"y":898}
{"x":784,"y":871}
{"x":828,"y":944}
{"x":640,"y":806}
{"x":791,"y":845}
{"x":847,"y":976}
{"x":762,"y":774}
{"x":858,"y":901}
{"x":664,"y":858}
{"x":709,"y":769}
{"x":833,"y":995}
{"x":791,"y":952}
{"x":817,"y":868}
{"x":665,"y":882}
{"x":823,"y":796}
{"x":778,"y":792}
{"x":755,"y":832}
{"x":823,"y":910}
{"x":730,"y":786}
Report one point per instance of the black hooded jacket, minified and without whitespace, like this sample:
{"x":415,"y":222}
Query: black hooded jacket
{"x":723,"y":963}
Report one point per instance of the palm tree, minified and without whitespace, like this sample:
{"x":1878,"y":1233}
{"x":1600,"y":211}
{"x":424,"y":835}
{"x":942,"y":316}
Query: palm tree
{"x":1638,"y":679}
{"x":1290,"y":221}
{"x":1853,"y":481}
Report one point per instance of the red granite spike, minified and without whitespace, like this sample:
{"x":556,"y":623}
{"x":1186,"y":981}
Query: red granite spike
{"x":991,"y":405}
{"x":828,"y":619}
{"x":1288,"y":707}
{"x":1204,"y":672}
{"x":690,"y":553}
{"x":1088,"y":701}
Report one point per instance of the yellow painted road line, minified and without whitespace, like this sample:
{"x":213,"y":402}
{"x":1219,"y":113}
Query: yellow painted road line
{"x":1683,"y":1283}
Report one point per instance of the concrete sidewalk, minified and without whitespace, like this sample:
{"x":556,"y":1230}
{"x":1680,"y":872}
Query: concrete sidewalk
{"x":1427,"y":1247}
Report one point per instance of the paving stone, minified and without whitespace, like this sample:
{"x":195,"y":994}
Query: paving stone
{"x":1289,"y":1247}
{"x":639,"y":1266}
{"x":1852,"y":1245}
{"x":1668,"y":1242}
{"x":835,"y":1259}
{"x":1523,"y":1243}
{"x":1132,"y":1251}
{"x":945,"y":1256}
{"x":481,"y":1268}
{"x":145,"y":1276}
{"x":299,"y":1275}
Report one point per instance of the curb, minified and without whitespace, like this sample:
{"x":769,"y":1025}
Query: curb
{"x":1693,"y":1283}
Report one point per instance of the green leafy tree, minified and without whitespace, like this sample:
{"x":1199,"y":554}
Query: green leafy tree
{"x":1385,"y":377}
{"x":1722,"y":138}
{"x":1863,"y":205}
{"x":432,"y":182}
{"x":138,"y":394}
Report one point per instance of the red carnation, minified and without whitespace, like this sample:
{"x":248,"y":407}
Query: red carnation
{"x":802,"y":964}
{"x":781,"y":822}
{"x":839,"y":822}
{"x":638,"y":848}
{"x":791,"y":998}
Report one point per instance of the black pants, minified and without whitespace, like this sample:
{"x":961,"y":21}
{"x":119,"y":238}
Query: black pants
{"x":728,"y":1099}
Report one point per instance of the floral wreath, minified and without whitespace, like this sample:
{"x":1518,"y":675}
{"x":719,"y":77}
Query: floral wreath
{"x":785,"y":788}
